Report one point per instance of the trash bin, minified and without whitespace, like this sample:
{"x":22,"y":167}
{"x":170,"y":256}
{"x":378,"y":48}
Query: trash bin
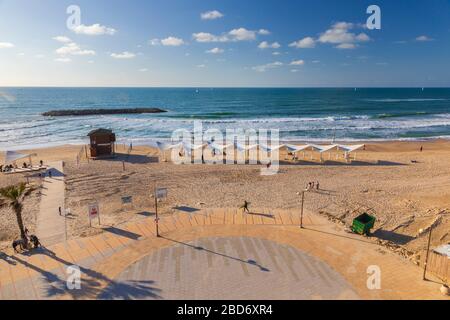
{"x":363,"y":224}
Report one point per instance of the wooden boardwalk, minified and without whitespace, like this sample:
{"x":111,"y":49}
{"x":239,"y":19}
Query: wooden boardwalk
{"x":50,"y":226}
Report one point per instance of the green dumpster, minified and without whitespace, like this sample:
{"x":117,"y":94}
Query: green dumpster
{"x":363,"y":224}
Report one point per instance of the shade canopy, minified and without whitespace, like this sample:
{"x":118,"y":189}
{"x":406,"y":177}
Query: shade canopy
{"x":294,"y":148}
{"x":270,"y":149}
{"x":12,"y":156}
{"x":163,"y":146}
{"x":189,"y":147}
{"x":347,"y":148}
{"x":219,"y":147}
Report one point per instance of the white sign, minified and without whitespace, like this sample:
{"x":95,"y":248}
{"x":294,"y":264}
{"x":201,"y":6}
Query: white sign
{"x":94,"y":211}
{"x":161,"y":193}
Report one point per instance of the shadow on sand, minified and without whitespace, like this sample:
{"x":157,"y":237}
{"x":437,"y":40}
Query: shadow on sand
{"x":379,"y":163}
{"x":392,"y":236}
{"x":186,"y":209}
{"x":250,"y":261}
{"x":123,"y":233}
{"x":132,"y":158}
{"x":55,"y":282}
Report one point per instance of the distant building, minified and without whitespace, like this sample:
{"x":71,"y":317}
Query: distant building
{"x":103,"y":143}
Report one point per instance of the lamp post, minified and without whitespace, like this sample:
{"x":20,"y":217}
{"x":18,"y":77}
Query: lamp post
{"x":156,"y":214}
{"x":301,"y":215}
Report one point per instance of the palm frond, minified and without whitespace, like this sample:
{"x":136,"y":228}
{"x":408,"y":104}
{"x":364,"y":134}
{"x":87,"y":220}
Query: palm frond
{"x":13,"y":193}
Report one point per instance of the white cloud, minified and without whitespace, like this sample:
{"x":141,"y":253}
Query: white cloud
{"x":211,"y":15}
{"x":6,"y":45}
{"x":240,"y":34}
{"x":143,"y":70}
{"x":172,"y":42}
{"x":201,"y":66}
{"x":208,"y":37}
{"x":276,"y":53}
{"x":294,"y":70}
{"x":63,"y":60}
{"x":91,"y":61}
{"x":297,"y":63}
{"x":362,"y":37}
{"x":423,"y":38}
{"x":267,"y":45}
{"x":75,"y":50}
{"x":168,"y":42}
{"x":123,"y":55}
{"x":154,"y":42}
{"x":304,"y":43}
{"x":21,"y":54}
{"x":263,"y":32}
{"x":94,"y":30}
{"x":62,"y":39}
{"x":39,"y":56}
{"x":340,"y":35}
{"x":315,"y":61}
{"x":215,"y":51}
{"x":265,"y":67}
{"x":346,"y":46}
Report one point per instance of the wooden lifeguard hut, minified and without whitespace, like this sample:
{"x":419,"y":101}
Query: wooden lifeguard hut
{"x":103,"y":143}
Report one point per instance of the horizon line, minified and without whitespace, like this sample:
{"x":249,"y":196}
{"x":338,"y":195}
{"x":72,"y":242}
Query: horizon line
{"x":230,"y":87}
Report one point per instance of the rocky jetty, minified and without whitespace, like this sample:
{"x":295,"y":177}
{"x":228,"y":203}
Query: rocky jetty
{"x":92,"y":112}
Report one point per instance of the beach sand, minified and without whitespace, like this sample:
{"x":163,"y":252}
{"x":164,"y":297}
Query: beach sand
{"x":404,"y":196}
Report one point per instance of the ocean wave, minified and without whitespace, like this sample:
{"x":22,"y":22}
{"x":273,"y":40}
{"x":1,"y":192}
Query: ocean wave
{"x":400,"y":115}
{"x":405,"y":100}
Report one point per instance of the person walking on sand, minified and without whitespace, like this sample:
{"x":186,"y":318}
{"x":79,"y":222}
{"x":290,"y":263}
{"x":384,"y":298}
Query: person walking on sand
{"x":317,"y":185}
{"x":50,"y":174}
{"x":245,"y":206}
{"x":60,"y":211}
{"x":421,"y":148}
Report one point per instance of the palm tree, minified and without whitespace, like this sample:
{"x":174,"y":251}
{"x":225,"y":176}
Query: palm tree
{"x":13,"y":196}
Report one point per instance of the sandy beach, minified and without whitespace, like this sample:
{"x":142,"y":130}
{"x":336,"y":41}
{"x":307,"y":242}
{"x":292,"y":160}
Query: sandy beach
{"x":404,"y":196}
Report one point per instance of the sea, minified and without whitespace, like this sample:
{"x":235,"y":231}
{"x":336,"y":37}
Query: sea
{"x":300,"y":114}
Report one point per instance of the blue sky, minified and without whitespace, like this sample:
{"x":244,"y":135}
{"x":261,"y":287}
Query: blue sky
{"x":236,"y":43}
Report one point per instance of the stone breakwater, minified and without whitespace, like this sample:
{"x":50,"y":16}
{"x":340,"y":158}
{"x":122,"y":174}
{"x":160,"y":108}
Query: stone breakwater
{"x":91,"y":112}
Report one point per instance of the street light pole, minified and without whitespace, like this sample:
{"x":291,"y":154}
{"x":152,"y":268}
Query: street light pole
{"x":428,"y":254}
{"x":156,"y":215}
{"x":301,"y":216}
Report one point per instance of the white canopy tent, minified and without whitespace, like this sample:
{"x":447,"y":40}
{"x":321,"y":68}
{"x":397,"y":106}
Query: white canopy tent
{"x":219,"y":148}
{"x":164,"y":146}
{"x":216,"y":148}
{"x":322,"y":149}
{"x":350,"y":149}
{"x":13,"y":156}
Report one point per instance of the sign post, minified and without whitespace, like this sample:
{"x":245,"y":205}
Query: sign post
{"x":160,"y":193}
{"x":94,"y":212}
{"x":428,"y":254}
